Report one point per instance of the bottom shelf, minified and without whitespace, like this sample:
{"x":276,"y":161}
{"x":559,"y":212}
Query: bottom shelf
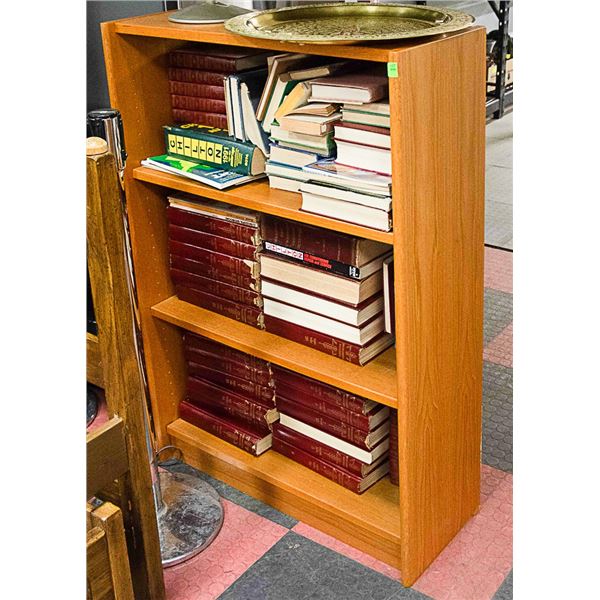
{"x":369,"y":522}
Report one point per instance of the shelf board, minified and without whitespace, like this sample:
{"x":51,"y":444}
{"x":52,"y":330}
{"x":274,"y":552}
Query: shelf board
{"x":259,"y":196}
{"x":370,"y":521}
{"x":376,"y":380}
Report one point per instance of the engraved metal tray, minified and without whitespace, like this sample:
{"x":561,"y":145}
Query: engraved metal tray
{"x":348,"y":23}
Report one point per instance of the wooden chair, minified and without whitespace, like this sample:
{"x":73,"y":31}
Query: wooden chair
{"x":118,"y":463}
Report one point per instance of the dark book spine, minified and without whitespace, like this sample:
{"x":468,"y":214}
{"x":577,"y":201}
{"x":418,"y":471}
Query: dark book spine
{"x":245,"y":280}
{"x":319,"y":390}
{"x":209,"y":145}
{"x":216,"y":288}
{"x":262,"y":394}
{"x":198,"y":77}
{"x":249,"y":315}
{"x":205,"y":62}
{"x":200,"y":90}
{"x":201,"y":345}
{"x":181,"y":115}
{"x":208,"y":105}
{"x":213,"y":225}
{"x":208,"y":395}
{"x":227,"y":430}
{"x":319,"y":450}
{"x":214,"y":243}
{"x":314,"y":240}
{"x":218,"y":261}
{"x":332,"y":426}
{"x":324,"y":264}
{"x":394,"y":475}
{"x":335,"y":474}
{"x":357,"y":420}
{"x":314,"y":339}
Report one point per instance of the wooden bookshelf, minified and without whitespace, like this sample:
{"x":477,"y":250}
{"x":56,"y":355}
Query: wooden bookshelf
{"x":433,"y":376}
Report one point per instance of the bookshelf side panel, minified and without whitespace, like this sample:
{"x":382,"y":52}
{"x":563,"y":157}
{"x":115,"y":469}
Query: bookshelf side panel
{"x":438,"y":137}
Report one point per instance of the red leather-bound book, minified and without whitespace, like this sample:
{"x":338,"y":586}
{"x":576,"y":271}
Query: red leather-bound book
{"x":322,"y":391}
{"x":335,"y":427}
{"x":353,"y":353}
{"x":216,"y":288}
{"x":250,"y":315}
{"x":348,"y":480}
{"x":181,"y":115}
{"x":325,"y":243}
{"x":211,"y":271}
{"x":215,"y":243}
{"x":263,"y":394}
{"x":360,"y":421}
{"x":217,"y":261}
{"x":209,"y":105}
{"x":201,"y":90}
{"x":215,"y":57}
{"x":226,"y":402}
{"x":199,"y":345}
{"x":239,"y":434}
{"x":213,"y":225}
{"x":394,"y":475}
{"x":324,"y":452}
{"x":184,"y":75}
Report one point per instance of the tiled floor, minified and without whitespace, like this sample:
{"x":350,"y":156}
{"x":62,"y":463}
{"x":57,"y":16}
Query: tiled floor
{"x":262,"y":554}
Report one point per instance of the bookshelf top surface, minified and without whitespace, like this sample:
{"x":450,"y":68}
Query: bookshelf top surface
{"x":158,"y":25}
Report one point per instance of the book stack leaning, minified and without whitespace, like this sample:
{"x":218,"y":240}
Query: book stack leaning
{"x":213,"y":249}
{"x":332,"y":432}
{"x":324,"y":289}
{"x":229,"y":393}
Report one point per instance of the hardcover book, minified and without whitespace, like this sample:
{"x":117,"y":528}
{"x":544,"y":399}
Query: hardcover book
{"x":217,"y":210}
{"x":359,"y":88}
{"x":363,"y":134}
{"x":219,"y":58}
{"x":200,"y":90}
{"x":208,"y":105}
{"x":241,"y":279}
{"x":235,"y":432}
{"x":197,"y":77}
{"x":394,"y":474}
{"x":207,"y":119}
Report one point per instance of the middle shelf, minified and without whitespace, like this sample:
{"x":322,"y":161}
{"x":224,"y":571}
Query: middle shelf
{"x":376,"y":380}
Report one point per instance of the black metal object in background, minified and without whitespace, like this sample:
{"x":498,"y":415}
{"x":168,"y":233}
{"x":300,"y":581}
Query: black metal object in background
{"x":501,"y":98}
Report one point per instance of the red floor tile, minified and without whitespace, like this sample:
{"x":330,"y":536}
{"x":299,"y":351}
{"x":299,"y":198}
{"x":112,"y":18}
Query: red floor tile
{"x":243,"y":539}
{"x":500,"y":349}
{"x":498,"y":270}
{"x":475,"y":563}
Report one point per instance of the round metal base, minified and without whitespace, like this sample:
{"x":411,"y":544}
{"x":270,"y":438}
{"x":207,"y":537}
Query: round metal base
{"x":190,"y":517}
{"x":205,"y":13}
{"x":92,"y":406}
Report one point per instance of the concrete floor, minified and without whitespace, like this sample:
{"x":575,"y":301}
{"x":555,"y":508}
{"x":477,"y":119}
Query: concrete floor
{"x":498,"y":183}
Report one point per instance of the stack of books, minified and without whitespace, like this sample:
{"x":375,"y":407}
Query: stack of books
{"x":334,"y":433}
{"x":213,"y":250}
{"x":394,"y":474}
{"x":229,"y":393}
{"x":324,"y":289}
{"x":197,"y":80}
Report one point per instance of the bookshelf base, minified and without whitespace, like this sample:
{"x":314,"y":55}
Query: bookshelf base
{"x":369,"y":522}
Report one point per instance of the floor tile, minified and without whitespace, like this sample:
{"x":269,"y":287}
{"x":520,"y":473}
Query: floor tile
{"x":505,"y":591}
{"x":499,"y":184}
{"x":499,"y":142}
{"x":498,"y":223}
{"x":500,"y":349}
{"x":477,"y":560}
{"x":243,"y":539}
{"x":297,"y":568}
{"x":497,"y":313}
{"x":497,"y":417}
{"x":498,"y":270}
{"x":239,"y":498}
{"x":333,"y":544}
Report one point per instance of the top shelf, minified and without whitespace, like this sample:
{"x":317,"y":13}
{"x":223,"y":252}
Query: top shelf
{"x":158,"y":25}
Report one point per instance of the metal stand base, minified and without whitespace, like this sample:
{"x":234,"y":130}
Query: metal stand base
{"x":190,"y":517}
{"x":206,"y":12}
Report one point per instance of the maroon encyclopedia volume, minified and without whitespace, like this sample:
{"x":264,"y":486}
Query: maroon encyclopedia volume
{"x":234,"y":310}
{"x":213,"y":225}
{"x":182,"y":115}
{"x":224,"y":59}
{"x":231,"y":368}
{"x":324,"y":452}
{"x":200,"y":90}
{"x":357,"y":437}
{"x":214,"y":271}
{"x":208,"y":105}
{"x":394,"y":475}
{"x":215,"y":243}
{"x":239,"y":434}
{"x":198,"y":77}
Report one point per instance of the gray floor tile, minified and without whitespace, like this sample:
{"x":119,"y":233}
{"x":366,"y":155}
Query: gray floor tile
{"x":237,"y":497}
{"x":497,"y":313}
{"x":499,"y":185}
{"x":497,"y":418}
{"x":297,"y":568}
{"x":505,"y":591}
{"x":498,"y":224}
{"x":499,"y":142}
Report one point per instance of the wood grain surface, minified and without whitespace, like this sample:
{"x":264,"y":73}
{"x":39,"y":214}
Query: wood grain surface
{"x":93,"y":360}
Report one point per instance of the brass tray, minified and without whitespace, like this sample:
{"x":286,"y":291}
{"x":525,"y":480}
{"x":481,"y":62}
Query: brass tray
{"x":348,"y":23}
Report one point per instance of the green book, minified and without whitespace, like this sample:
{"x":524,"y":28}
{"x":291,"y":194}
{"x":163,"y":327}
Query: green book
{"x":213,"y":147}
